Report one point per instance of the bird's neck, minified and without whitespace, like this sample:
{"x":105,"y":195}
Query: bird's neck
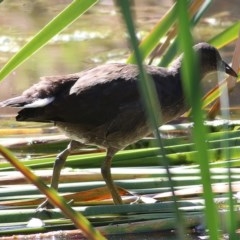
{"x":201,"y":69}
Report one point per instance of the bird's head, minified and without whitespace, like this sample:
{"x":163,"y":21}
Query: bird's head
{"x":211,"y":61}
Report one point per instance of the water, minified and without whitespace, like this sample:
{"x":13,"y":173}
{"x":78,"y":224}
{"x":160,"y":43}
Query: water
{"x":96,"y":37}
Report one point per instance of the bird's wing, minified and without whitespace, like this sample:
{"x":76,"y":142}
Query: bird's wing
{"x":43,"y":92}
{"x":98,"y":95}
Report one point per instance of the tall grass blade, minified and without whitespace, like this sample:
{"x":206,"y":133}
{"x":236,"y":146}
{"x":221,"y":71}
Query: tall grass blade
{"x":190,"y":65}
{"x":61,"y":21}
{"x":151,"y":41}
{"x":149,"y":95}
{"x":78,"y":219}
{"x":228,"y":35}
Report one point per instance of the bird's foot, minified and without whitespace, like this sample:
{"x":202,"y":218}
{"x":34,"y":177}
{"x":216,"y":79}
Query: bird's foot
{"x":143,"y":199}
{"x":138,"y":200}
{"x":46,"y":205}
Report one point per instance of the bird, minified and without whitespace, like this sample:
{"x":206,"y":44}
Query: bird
{"x":102,"y":106}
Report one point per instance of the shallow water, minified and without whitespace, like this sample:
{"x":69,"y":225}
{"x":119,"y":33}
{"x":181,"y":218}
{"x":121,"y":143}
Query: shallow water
{"x":96,"y":37}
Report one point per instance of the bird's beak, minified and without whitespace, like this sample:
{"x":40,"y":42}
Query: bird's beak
{"x":229,"y":70}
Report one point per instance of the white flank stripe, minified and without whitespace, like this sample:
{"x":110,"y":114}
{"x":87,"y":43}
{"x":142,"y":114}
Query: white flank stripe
{"x":40,"y":102}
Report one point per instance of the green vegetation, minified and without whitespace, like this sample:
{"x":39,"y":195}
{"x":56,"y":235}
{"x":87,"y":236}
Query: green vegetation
{"x":190,"y":166}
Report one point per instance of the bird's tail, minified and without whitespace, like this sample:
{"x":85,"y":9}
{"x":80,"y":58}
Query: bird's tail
{"x":14,"y":102}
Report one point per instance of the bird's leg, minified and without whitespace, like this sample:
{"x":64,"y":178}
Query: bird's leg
{"x":106,"y":173}
{"x":58,"y":165}
{"x":60,"y":161}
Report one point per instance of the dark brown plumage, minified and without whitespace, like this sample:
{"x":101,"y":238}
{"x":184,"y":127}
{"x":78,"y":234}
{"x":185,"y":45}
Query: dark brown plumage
{"x":102,"y":106}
